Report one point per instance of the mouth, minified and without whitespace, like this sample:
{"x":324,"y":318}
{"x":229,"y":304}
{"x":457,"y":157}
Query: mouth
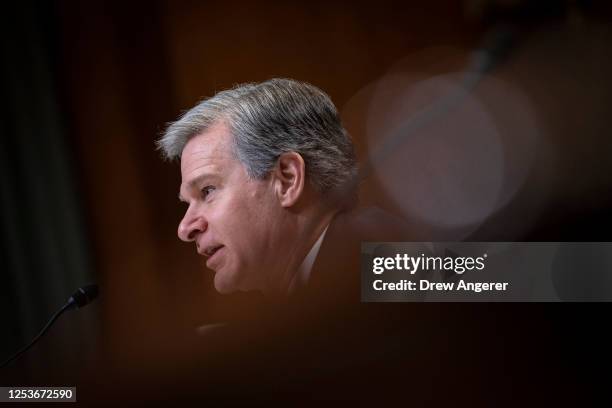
{"x":210,"y":252}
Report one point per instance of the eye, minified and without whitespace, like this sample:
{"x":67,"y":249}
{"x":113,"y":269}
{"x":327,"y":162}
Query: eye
{"x":206,"y":191}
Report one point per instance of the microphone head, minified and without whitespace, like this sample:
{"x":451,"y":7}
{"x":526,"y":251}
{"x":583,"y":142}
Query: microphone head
{"x":84,"y":295}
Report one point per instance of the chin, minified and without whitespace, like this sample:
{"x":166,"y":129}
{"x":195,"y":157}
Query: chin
{"x":224,"y":288}
{"x":225,"y":284}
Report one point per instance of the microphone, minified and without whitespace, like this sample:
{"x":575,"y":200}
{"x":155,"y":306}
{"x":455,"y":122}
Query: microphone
{"x":82,"y":297}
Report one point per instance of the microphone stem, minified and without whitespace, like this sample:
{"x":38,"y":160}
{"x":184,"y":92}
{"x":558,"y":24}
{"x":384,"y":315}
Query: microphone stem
{"x":44,"y":329}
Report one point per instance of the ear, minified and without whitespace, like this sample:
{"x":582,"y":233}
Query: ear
{"x":290,"y":173}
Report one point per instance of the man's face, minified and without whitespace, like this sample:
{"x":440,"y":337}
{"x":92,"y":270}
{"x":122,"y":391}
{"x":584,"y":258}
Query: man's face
{"x":233,"y":220}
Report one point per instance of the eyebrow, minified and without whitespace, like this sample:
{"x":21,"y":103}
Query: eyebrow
{"x":193,"y":182}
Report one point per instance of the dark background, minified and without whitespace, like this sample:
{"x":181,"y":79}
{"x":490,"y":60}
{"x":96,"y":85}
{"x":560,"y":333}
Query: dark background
{"x":88,"y":86}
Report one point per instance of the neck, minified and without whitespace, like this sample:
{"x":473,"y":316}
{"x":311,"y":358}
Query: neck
{"x":309,"y":228}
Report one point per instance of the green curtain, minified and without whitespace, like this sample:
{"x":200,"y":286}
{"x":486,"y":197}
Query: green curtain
{"x":44,"y":248}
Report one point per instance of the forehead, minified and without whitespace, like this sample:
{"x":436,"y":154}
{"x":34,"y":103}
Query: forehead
{"x":208,"y":151}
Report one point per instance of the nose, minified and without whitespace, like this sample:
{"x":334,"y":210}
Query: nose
{"x":191,"y":225}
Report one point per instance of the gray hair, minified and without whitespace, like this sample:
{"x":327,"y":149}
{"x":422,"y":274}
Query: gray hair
{"x":271,"y":118}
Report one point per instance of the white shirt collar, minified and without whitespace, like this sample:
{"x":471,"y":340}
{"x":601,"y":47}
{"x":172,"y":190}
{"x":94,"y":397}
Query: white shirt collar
{"x":302,"y":276}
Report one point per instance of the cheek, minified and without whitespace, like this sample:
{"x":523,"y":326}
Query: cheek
{"x":253,"y":233}
{"x":238,"y":222}
{"x":245,"y":219}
